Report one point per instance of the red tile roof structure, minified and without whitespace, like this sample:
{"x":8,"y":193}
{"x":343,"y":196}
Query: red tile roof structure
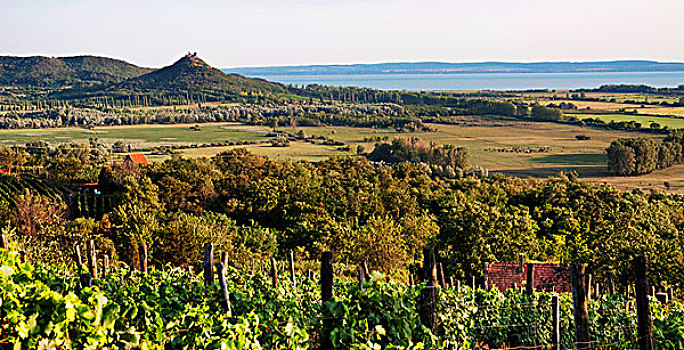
{"x":136,"y":158}
{"x":547,"y":276}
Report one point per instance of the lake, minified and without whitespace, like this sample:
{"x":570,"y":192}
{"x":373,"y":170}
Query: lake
{"x":485,"y":81}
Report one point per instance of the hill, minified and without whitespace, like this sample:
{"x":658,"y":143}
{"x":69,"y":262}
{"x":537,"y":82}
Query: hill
{"x":191,"y":74}
{"x":81,"y":71}
{"x":465,"y":68}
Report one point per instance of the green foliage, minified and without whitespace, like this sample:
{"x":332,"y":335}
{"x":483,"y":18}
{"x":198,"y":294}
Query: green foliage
{"x":637,"y":156}
{"x":545,"y":113}
{"x":415,"y":151}
{"x":43,"y":307}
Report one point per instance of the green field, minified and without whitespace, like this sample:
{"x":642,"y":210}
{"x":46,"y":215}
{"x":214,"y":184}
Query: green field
{"x":645,"y":120}
{"x":566,"y":153}
{"x":139,"y":135}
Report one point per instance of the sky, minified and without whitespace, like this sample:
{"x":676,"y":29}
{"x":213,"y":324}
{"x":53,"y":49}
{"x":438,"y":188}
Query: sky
{"x":227,"y":33}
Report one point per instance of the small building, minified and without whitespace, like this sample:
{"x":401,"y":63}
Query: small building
{"x":136,"y":159}
{"x":547,"y":276}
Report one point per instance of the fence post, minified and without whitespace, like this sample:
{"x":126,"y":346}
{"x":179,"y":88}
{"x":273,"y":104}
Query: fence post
{"x":86,"y":280}
{"x":440,"y":275}
{"x":326,"y":276}
{"x":326,"y":280}
{"x":92,"y":259}
{"x":429,"y":294}
{"x":521,"y":264}
{"x":105,"y":265}
{"x":611,"y":283}
{"x":530,"y":279}
{"x":588,"y":285}
{"x":641,"y":288}
{"x":208,"y":263}
{"x":292,"y":269}
{"x":224,"y":259}
{"x":225,"y":297}
{"x":78,"y":258}
{"x":555,"y":335}
{"x":362,"y":279}
{"x":4,"y":243}
{"x":579,"y":303}
{"x":274,"y":273}
{"x":142,"y":257}
{"x":485,"y":277}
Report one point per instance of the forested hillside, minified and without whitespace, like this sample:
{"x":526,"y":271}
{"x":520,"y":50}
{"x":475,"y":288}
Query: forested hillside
{"x":81,"y":71}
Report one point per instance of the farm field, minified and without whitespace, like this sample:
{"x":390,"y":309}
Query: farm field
{"x":645,"y":120}
{"x":139,"y":135}
{"x":499,"y":147}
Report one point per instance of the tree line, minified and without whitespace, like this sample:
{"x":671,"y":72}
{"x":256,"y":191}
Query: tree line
{"x":638,"y":156}
{"x":256,"y":207}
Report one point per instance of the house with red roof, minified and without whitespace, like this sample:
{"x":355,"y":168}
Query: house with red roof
{"x":136,"y":158}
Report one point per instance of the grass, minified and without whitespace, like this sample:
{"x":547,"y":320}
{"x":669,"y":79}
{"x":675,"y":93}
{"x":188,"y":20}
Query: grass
{"x":566,"y":154}
{"x":645,"y":120}
{"x":139,"y":135}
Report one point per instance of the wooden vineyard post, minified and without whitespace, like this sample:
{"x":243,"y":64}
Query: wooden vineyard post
{"x":22,"y":256}
{"x":670,"y":294}
{"x":86,"y":280}
{"x":412,"y":282}
{"x":530,"y":279}
{"x":611,"y":283}
{"x":208,"y":264}
{"x":362,"y":279}
{"x":440,"y":275}
{"x":225,"y":297}
{"x":78,"y":258}
{"x":4,"y":244}
{"x":485,"y":277}
{"x":452,"y":282}
{"x":588,"y":285}
{"x":365,"y":268}
{"x":105,"y":265}
{"x":579,"y":303}
{"x":142,"y":257}
{"x":472,"y":283}
{"x":326,"y":280}
{"x":429,"y":295}
{"x":641,"y":288}
{"x":521,"y":264}
{"x":293,"y":276}
{"x":326,"y":276}
{"x":556,"y":333}
{"x":274,"y":273}
{"x":92,"y":259}
{"x":224,"y":259}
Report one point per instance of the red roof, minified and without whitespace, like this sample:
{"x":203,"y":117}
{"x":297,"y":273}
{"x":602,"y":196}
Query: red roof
{"x":547,"y":276}
{"x":137,"y":158}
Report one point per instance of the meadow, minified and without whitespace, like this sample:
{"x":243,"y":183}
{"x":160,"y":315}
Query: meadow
{"x":497,"y":146}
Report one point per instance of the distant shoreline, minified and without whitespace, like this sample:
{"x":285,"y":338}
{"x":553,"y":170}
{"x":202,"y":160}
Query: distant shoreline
{"x":465,"y":68}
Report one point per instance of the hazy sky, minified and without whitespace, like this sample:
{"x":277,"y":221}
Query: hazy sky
{"x":229,"y":33}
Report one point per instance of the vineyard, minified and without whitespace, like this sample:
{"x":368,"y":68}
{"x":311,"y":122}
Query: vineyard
{"x":47,"y":307}
{"x":11,"y":186}
{"x":91,"y":205}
